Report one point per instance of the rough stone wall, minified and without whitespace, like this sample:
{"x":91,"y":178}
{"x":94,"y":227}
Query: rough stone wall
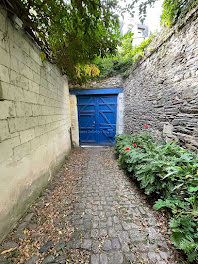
{"x":111,"y":82}
{"x":34,"y":122}
{"x":162,"y":91}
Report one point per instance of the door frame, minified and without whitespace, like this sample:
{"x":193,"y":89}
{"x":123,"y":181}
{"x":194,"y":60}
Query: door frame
{"x":100,"y":91}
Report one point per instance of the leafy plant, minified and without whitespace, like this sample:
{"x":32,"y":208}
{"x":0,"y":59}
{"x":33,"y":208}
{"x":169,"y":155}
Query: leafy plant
{"x":86,"y":72}
{"x":75,"y":32}
{"x":173,"y":10}
{"x":127,"y":55}
{"x":172,"y":173}
{"x":70,"y":32}
{"x":125,"y":58}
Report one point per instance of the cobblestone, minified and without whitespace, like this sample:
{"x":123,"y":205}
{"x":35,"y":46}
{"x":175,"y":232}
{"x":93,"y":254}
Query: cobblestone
{"x":117,"y":234}
{"x":103,"y":258}
{"x":107,"y":245}
{"x":115,"y":243}
{"x":48,"y":259}
{"x":109,"y":218}
{"x":94,"y":259}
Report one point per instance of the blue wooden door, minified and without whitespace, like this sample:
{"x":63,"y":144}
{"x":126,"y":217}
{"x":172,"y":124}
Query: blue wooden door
{"x":97,"y":119}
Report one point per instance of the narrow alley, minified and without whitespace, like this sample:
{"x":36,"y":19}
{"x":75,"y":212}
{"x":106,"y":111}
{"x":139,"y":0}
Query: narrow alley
{"x":91,"y":212}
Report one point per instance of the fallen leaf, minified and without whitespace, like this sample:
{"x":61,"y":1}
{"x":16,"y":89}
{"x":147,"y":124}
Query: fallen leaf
{"x":7,"y":251}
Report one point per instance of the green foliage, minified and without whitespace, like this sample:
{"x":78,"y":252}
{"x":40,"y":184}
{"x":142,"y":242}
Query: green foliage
{"x":86,"y":72}
{"x":125,"y":58}
{"x":106,"y":65}
{"x":175,"y":9}
{"x":42,"y":56}
{"x":126,"y":44}
{"x":171,"y":172}
{"x":184,"y":235}
{"x":70,"y":32}
{"x":170,"y":10}
{"x":127,"y":55}
{"x":76,"y":32}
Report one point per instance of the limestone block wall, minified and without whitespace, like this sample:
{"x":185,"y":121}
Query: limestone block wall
{"x":34,"y":122}
{"x":74,"y":120}
{"x":162,"y":91}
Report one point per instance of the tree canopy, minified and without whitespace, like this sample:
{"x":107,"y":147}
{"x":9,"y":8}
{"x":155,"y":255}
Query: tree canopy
{"x":72,"y":33}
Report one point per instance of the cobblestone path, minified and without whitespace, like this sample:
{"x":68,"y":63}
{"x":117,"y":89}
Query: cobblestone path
{"x":90,"y":213}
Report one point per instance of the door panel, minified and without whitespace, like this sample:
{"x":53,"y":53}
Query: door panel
{"x":97,"y":119}
{"x":87,"y":119}
{"x":107,"y":106}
